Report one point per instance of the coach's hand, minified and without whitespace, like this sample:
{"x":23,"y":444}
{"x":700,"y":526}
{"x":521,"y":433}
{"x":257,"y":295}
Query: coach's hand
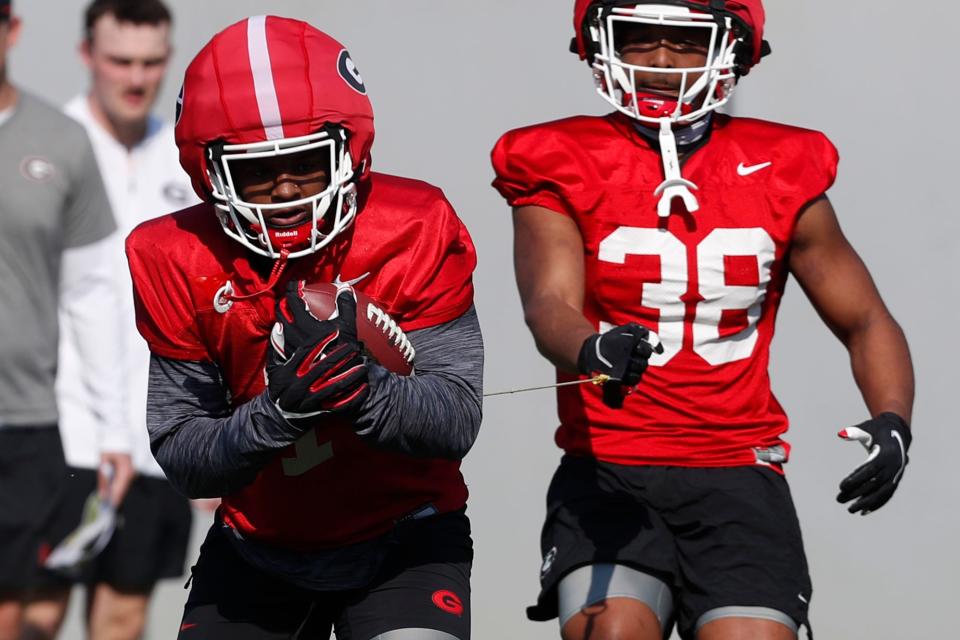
{"x":887,"y":439}
{"x":621,"y":353}
{"x":114,"y":476}
{"x":316,"y":367}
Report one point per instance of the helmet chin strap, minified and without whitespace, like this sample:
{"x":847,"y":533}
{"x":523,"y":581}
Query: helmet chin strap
{"x":674,"y":185}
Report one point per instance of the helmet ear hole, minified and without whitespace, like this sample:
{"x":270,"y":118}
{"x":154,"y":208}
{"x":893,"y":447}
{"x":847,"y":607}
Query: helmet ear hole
{"x":745,"y":57}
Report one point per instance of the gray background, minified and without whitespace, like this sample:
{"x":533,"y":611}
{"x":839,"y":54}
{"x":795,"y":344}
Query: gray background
{"x":448,"y":77}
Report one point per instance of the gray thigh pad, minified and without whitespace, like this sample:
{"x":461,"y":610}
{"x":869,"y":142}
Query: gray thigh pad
{"x":760,"y":613}
{"x":594,"y":583}
{"x":415,"y":634}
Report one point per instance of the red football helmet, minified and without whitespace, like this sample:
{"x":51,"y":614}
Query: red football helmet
{"x":270,"y":86}
{"x":736,"y":44}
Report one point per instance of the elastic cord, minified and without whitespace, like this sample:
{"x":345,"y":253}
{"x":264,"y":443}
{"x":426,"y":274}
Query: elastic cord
{"x":225,"y":297}
{"x":275,"y":274}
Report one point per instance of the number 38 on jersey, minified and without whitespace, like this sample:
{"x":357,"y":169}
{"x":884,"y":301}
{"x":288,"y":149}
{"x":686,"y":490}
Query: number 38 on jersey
{"x":709,"y":296}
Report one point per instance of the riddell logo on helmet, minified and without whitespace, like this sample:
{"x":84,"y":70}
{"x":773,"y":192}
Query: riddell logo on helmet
{"x":448,"y":601}
{"x":286,"y":234}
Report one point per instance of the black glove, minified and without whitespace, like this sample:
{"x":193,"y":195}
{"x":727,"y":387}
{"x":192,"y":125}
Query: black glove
{"x":315,"y":367}
{"x":887,"y":439}
{"x":621,"y":353}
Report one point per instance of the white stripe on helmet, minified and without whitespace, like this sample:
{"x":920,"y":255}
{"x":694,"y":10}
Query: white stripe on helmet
{"x":263,"y":77}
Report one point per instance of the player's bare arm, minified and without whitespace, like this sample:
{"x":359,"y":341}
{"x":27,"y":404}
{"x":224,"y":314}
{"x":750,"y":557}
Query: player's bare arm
{"x":844,"y":294}
{"x":552,"y":297}
{"x":548,"y":250}
{"x":841,"y":289}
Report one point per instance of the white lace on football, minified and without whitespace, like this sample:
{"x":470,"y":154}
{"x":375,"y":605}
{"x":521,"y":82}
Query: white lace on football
{"x":394,"y":333}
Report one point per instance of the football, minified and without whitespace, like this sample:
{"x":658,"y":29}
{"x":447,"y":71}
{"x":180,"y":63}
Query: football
{"x":382,"y":339}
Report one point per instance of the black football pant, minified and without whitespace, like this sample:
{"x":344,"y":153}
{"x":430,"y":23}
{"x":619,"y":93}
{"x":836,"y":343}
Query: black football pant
{"x":422,"y":592}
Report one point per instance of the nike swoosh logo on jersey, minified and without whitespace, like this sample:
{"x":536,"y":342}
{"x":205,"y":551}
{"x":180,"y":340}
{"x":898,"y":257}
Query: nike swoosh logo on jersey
{"x":743,"y":170}
{"x":340,"y":283}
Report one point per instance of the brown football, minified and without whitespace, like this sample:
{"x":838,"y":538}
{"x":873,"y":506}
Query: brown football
{"x":382,"y":339}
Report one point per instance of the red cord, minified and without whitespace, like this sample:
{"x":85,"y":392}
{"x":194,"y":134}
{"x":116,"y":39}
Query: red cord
{"x":275,"y":274}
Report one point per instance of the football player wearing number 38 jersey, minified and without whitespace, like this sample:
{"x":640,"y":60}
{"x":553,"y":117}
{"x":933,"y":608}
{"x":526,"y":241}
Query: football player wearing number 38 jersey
{"x":653,"y":246}
{"x":343,"y":503}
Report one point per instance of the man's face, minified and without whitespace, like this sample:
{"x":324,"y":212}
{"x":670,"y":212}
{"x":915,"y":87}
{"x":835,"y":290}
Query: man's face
{"x":662,"y":47}
{"x":281,"y":179}
{"x":127,"y":63}
{"x":9,"y":33}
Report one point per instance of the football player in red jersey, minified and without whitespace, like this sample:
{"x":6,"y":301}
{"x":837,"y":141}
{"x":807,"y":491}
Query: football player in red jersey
{"x":343,"y":503}
{"x":656,"y":243}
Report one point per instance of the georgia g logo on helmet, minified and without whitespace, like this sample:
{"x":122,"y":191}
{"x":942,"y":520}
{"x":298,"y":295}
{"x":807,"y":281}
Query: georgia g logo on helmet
{"x":348,"y":71}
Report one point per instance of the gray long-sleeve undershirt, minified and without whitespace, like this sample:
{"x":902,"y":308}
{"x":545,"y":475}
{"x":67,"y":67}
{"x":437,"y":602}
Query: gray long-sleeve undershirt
{"x":209,"y":449}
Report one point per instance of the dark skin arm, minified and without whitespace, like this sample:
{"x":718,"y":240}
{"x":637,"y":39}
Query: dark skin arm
{"x":838,"y":284}
{"x":548,"y":260}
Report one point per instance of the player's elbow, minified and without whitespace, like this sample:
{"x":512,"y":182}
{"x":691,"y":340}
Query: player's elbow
{"x":192,"y":477}
{"x":536,"y":314}
{"x":175,"y":471}
{"x":870,"y":324}
{"x":196,"y":485}
{"x":468,"y":432}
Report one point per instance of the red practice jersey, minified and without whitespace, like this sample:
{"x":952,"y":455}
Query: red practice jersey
{"x":410,"y":252}
{"x":709,"y":283}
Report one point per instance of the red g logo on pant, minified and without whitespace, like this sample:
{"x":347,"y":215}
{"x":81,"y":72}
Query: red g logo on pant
{"x":448,"y":601}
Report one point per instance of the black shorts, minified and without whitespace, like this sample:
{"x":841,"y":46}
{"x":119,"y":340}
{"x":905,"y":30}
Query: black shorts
{"x":424,"y":583}
{"x":717,"y":537}
{"x":149,"y":544}
{"x":33,"y":477}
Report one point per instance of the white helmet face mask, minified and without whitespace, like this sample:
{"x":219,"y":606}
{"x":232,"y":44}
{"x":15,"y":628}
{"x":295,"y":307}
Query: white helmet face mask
{"x":246,"y":222}
{"x":617,"y":80}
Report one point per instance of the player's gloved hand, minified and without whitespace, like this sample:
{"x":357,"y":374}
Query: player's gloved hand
{"x":316,"y":367}
{"x":887,"y":439}
{"x":621,"y":353}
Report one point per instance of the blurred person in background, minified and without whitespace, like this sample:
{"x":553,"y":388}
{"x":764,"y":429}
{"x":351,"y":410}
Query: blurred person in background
{"x":126,"y":47}
{"x":55,"y":225}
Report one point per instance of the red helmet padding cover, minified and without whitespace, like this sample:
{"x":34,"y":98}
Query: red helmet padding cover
{"x":219,"y":101}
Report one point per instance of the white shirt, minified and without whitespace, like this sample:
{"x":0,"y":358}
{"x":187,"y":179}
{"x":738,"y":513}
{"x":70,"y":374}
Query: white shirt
{"x":142,"y":183}
{"x":87,"y":286}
